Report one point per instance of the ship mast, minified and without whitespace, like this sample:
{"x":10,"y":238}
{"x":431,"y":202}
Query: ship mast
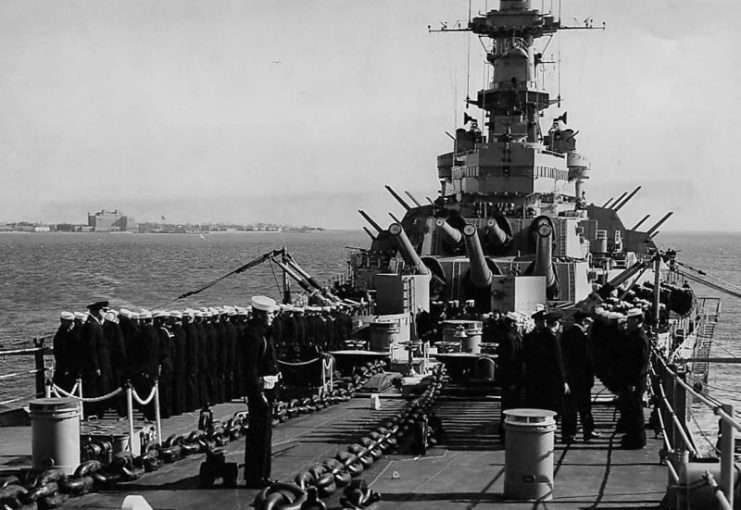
{"x":512,"y":156}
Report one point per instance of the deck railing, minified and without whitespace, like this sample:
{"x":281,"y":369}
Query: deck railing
{"x":672,"y":396}
{"x":39,"y":372}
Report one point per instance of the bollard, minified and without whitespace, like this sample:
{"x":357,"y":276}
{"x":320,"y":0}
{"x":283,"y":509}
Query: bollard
{"x":528,"y":456}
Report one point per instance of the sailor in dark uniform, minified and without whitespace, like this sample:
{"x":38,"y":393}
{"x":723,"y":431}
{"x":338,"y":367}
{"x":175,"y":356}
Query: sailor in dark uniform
{"x":576,"y":346}
{"x":510,"y":369}
{"x":633,"y":370}
{"x":147,"y":362}
{"x":63,"y":339}
{"x":93,"y":361}
{"x":546,"y":380}
{"x":230,"y":350}
{"x":261,"y":375}
{"x":166,"y":355}
{"x":204,"y":386}
{"x":178,"y":362}
{"x":116,"y":362}
{"x":192,"y":399}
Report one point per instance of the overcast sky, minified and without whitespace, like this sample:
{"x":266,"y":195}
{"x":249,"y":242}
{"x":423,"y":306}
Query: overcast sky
{"x":300,"y":111}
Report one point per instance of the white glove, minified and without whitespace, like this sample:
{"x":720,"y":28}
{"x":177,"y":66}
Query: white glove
{"x":268,"y":381}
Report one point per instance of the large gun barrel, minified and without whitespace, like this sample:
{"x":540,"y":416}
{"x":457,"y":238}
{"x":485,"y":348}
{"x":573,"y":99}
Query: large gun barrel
{"x":659,"y":223}
{"x":407,"y":250}
{"x":370,"y":221}
{"x":454,"y":234}
{"x":495,"y":232}
{"x":543,"y":264}
{"x":397,"y":197}
{"x":481,"y":275}
{"x":617,"y":207}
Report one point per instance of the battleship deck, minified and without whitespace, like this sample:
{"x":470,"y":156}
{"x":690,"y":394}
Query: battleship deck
{"x":465,"y":470}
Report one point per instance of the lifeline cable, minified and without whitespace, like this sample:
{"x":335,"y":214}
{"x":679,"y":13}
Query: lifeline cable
{"x":709,"y":284}
{"x":248,"y":265}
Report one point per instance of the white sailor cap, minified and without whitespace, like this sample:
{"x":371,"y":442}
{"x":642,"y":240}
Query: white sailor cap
{"x":135,"y":316}
{"x":110,"y":316}
{"x":513,"y":316}
{"x":635,"y":312}
{"x":80,"y":315}
{"x":160,"y":314}
{"x":197,"y":313}
{"x":67,"y":316}
{"x":263,"y":303}
{"x":175,"y":314}
{"x":188,"y":313}
{"x":126,"y":313}
{"x":145,"y":315}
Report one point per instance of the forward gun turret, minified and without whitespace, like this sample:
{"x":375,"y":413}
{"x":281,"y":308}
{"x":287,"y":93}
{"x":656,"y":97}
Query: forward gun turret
{"x":542,"y":230}
{"x":496,"y":234}
{"x":408,"y":252}
{"x":453,"y":233}
{"x":480,"y":273}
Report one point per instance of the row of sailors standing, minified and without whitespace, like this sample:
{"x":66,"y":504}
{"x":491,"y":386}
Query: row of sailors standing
{"x":197,"y":356}
{"x":549,"y":367}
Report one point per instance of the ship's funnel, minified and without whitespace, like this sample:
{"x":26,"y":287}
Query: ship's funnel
{"x":454,"y":234}
{"x":481,"y":275}
{"x":495,"y":233}
{"x":408,"y":253}
{"x":543,"y":263}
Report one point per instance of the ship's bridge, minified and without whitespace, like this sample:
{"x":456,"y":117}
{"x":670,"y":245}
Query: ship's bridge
{"x":502,"y":168}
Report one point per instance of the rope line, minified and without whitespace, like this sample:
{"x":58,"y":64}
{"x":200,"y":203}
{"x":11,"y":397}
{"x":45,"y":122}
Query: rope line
{"x":59,"y":392}
{"x":146,"y":400}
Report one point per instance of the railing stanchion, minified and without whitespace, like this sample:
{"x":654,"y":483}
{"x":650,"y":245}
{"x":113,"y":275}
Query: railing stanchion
{"x":130,"y":412}
{"x":79,"y":394}
{"x":727,"y":445}
{"x":669,"y":384}
{"x":157,"y":418}
{"x":47,"y":389}
{"x":40,"y":367}
{"x":679,"y":404}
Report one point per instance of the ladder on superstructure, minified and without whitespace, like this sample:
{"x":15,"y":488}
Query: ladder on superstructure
{"x":708,"y":310}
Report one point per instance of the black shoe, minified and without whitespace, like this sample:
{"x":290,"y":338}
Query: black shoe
{"x":568,"y":439}
{"x":588,"y":436}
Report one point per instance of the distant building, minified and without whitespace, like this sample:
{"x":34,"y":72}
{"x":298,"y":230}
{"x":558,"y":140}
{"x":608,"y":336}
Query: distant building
{"x":111,"y":221}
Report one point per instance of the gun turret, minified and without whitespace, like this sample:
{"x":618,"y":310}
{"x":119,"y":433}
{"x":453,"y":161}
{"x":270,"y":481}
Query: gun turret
{"x":495,"y":233}
{"x":408,"y":253}
{"x":543,"y":263}
{"x":454,"y":234}
{"x":480,"y":273}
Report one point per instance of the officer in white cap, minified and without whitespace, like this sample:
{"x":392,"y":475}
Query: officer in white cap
{"x":261,"y":375}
